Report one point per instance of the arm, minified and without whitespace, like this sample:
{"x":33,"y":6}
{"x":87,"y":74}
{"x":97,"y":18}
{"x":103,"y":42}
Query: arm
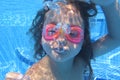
{"x":112,"y":40}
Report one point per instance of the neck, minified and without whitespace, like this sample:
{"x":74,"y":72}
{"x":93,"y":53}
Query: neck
{"x":62,"y":66}
{"x":61,"y":69}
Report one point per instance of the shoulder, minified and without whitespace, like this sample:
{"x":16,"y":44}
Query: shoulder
{"x":39,"y":71}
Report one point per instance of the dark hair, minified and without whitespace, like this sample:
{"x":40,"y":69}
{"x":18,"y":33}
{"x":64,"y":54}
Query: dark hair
{"x":86,"y":52}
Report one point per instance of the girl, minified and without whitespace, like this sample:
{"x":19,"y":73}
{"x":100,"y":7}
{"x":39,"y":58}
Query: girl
{"x":63,"y":34}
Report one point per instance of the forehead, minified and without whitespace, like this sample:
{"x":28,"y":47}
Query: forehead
{"x":68,"y":14}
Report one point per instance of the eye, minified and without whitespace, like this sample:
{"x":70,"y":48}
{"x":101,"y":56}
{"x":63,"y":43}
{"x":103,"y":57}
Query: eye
{"x":74,"y":34}
{"x":51,"y":31}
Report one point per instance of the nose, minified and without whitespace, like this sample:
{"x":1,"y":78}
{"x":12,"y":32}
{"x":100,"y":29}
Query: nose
{"x":61,"y":41}
{"x":59,"y":45}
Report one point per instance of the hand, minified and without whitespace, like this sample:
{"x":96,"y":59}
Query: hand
{"x":13,"y":76}
{"x":103,"y":2}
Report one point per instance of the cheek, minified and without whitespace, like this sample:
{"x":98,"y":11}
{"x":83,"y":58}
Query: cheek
{"x":46,"y":46}
{"x":75,"y":48}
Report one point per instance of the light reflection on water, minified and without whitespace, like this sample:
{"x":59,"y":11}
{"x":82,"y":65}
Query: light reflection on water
{"x":15,"y":22}
{"x":108,"y":65}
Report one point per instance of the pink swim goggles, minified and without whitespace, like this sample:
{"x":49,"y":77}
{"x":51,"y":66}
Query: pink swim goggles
{"x":72,"y":33}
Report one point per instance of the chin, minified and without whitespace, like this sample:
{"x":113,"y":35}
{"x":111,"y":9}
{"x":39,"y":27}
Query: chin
{"x":57,"y":57}
{"x":61,"y":58}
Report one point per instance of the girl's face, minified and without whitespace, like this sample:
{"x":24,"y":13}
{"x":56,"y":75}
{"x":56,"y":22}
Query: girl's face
{"x":63,"y":33}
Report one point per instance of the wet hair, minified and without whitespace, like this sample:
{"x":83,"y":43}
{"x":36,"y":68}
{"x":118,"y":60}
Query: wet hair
{"x":86,"y":52}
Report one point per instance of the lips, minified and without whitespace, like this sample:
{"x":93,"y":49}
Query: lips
{"x":59,"y":50}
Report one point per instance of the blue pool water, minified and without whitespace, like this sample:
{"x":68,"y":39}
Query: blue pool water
{"x":16,"y":51}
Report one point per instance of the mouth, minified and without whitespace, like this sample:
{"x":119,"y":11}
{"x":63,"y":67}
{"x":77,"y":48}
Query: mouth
{"x":59,"y":50}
